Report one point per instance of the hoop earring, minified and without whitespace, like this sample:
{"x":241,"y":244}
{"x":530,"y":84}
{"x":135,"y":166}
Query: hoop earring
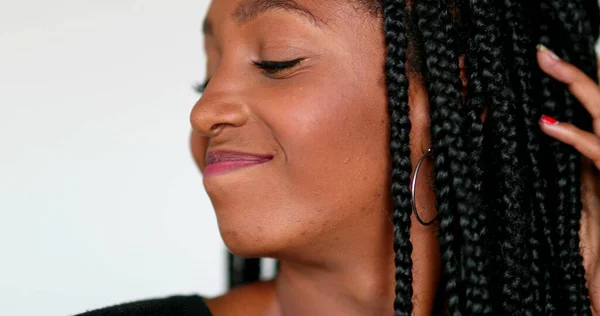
{"x":413,"y":185}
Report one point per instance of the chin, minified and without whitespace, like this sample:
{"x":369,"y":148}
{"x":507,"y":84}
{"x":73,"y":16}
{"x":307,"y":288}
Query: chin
{"x":246,"y":246}
{"x":282,"y":243}
{"x":249,"y":241}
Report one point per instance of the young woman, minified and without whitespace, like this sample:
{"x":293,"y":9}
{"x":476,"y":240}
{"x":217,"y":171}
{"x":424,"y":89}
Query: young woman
{"x":406,"y":158}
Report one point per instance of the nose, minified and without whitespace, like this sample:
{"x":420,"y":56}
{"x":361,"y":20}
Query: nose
{"x":216,"y":110}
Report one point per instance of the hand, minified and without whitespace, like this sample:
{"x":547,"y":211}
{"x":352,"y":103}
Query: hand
{"x":588,"y":144}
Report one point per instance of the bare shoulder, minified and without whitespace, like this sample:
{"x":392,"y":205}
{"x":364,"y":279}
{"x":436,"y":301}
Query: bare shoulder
{"x":255,"y":299}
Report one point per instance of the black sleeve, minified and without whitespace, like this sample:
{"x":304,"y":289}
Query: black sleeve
{"x":179,"y":305}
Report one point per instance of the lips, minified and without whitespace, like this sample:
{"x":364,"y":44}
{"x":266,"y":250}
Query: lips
{"x":223,"y":156}
{"x":218,"y":162}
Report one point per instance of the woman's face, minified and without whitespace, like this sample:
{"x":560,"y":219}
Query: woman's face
{"x":322,"y":117}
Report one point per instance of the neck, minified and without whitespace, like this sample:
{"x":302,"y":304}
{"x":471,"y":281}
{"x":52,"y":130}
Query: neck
{"x":347,"y":290}
{"x":357,"y":279}
{"x":354,"y":278}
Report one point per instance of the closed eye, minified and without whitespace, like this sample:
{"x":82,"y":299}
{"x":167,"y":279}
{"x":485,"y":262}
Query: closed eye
{"x":273,"y":67}
{"x":269,"y":67}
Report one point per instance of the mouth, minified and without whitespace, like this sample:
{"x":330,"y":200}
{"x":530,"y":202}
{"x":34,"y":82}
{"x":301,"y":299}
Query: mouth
{"x":219,"y":162}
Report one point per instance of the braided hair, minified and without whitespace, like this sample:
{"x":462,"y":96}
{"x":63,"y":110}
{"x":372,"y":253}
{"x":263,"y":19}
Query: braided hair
{"x":507,"y":196}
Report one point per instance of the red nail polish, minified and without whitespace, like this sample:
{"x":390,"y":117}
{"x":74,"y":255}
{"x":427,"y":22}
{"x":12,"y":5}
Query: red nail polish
{"x":548,"y":120}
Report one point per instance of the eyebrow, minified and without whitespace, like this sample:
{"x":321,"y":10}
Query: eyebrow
{"x":251,"y":9}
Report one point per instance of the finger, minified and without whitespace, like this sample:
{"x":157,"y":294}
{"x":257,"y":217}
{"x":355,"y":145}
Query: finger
{"x":586,"y":143}
{"x":582,"y":86}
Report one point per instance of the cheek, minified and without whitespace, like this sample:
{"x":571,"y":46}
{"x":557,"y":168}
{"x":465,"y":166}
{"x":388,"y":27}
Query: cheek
{"x":335,"y":142}
{"x":331,"y":170}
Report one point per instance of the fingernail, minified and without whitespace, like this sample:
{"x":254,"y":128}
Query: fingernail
{"x":545,"y":49}
{"x":548,"y":120}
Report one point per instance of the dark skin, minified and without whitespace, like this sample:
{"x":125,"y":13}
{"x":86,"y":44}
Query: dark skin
{"x":325,"y":122}
{"x":322,"y":204}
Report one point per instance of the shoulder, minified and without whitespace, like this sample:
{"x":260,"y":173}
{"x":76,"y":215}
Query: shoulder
{"x":178,"y":305}
{"x":253,"y":299}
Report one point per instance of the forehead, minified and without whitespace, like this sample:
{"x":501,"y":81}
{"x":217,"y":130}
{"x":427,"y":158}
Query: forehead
{"x":318,"y":12}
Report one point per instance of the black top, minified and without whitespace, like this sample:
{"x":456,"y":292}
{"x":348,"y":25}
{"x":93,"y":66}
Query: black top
{"x":180,"y":305}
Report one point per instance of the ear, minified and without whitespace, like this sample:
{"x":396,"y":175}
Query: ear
{"x":419,"y":116}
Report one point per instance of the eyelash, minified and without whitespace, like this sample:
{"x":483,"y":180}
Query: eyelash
{"x":273,"y":67}
{"x":199,"y":88}
{"x":269,"y":67}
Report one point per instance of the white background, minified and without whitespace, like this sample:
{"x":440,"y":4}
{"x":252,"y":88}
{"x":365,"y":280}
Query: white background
{"x":100,"y":201}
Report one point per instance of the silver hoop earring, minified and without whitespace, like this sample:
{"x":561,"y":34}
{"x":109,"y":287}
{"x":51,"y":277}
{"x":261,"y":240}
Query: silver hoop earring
{"x":413,"y":185}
